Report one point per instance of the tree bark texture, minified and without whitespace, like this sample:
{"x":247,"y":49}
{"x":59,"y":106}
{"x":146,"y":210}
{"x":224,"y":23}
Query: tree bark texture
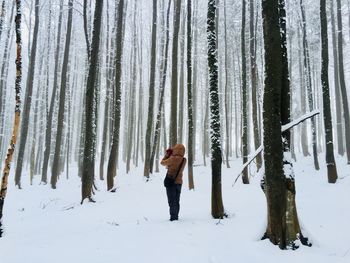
{"x":338,"y":102}
{"x":28,"y":99}
{"x":149,"y":129}
{"x":174,"y":75}
{"x":60,"y":118}
{"x":245,"y":177}
{"x":217,"y":208}
{"x":48,"y":128}
{"x":342,"y":81}
{"x":327,"y":114}
{"x":87,"y":178}
{"x":113,"y":156}
{"x":11,"y":149}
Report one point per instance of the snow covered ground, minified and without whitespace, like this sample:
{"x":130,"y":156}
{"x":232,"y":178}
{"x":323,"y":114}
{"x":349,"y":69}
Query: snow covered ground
{"x":44,"y":225}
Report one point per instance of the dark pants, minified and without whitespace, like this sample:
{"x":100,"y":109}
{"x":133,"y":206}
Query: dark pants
{"x":173,"y":192}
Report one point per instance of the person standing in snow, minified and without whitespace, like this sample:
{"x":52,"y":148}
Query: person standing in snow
{"x":175,"y":163}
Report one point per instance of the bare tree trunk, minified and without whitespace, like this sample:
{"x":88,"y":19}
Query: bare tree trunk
{"x":217,"y":208}
{"x":327,"y":114}
{"x":227,"y":93}
{"x":282,"y":224}
{"x":161,"y":91}
{"x":174,"y":81}
{"x":338,"y":102}
{"x":88,"y":175}
{"x":48,"y":129}
{"x":245,"y":177}
{"x":3,"y":78}
{"x":132,"y":102}
{"x":28,"y":99}
{"x":112,"y":161}
{"x":254,"y":83}
{"x":107,"y":99}
{"x":307,"y":71}
{"x":11,"y":149}
{"x":2,"y":16}
{"x":153,"y":61}
{"x":60,"y":118}
{"x":304,"y":139}
{"x":190,"y":97}
{"x":342,"y":81}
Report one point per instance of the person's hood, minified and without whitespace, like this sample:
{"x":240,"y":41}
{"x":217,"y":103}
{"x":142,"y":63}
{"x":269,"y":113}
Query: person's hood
{"x":179,"y":149}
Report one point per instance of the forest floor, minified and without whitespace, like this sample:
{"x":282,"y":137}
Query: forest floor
{"x":132,"y":225}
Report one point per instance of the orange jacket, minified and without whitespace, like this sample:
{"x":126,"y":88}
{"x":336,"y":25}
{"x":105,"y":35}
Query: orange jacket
{"x":173,"y":162}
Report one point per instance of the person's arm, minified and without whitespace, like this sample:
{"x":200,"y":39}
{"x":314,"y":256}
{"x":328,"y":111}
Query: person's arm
{"x":165,"y":160}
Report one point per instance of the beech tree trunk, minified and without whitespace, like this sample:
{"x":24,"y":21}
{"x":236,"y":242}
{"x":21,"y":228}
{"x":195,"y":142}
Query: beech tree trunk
{"x":11,"y":149}
{"x":149,"y":129}
{"x":113,"y":156}
{"x":327,"y":114}
{"x":174,"y":75}
{"x":48,"y":129}
{"x":60,"y":118}
{"x":28,"y":100}
{"x":282,"y":223}
{"x":217,"y":208}
{"x":343,"y":90}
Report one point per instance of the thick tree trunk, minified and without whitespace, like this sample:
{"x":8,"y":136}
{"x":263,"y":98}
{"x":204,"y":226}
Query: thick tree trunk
{"x":217,"y":208}
{"x":28,"y":99}
{"x":88,"y":175}
{"x":282,"y":224}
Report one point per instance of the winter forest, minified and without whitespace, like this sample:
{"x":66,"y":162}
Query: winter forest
{"x":96,"y":96}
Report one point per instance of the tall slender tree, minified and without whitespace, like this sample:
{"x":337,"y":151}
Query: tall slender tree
{"x":11,"y":149}
{"x":90,"y":136}
{"x":3,"y":76}
{"x":342,"y":83}
{"x":245,"y":177}
{"x":190,"y":145}
{"x":161,"y":90}
{"x":28,"y":98}
{"x":254,"y":81}
{"x":327,"y":114}
{"x":174,"y":75}
{"x":48,"y":128}
{"x":308,"y":81}
{"x":2,"y":16}
{"x":114,"y":150}
{"x":338,"y":103}
{"x":148,"y":136}
{"x":60,"y":118}
{"x":217,"y":207}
